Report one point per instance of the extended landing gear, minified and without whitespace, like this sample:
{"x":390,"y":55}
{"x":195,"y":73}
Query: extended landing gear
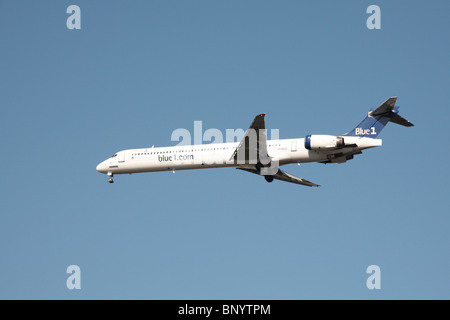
{"x":259,"y":166}
{"x":110,"y":180}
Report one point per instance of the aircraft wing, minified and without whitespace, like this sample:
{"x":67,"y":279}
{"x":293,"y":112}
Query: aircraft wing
{"x":284,"y":176}
{"x":253,"y":147}
{"x":251,"y":155}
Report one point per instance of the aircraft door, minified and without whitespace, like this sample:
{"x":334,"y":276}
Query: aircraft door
{"x":122,"y":156}
{"x":294,"y":146}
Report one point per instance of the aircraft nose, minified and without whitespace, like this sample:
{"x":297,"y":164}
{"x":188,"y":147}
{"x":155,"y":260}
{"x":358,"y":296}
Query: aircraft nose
{"x":101,"y":167}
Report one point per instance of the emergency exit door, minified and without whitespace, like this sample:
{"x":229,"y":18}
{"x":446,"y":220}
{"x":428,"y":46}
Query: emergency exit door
{"x":122,"y":156}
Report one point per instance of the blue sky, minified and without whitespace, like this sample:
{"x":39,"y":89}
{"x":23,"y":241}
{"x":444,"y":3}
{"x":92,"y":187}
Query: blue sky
{"x":135,"y":72}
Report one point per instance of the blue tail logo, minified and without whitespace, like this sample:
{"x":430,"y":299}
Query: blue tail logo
{"x":360,"y":131}
{"x":377,"y":119}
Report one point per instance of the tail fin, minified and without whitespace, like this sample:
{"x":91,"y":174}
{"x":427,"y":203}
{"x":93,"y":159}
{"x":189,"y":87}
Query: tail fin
{"x":376,"y":119}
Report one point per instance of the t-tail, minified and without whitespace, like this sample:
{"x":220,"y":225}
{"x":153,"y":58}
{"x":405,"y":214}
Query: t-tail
{"x":376,"y":119}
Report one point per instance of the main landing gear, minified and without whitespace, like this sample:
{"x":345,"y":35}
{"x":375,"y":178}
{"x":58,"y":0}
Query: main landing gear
{"x":110,"y":180}
{"x":258,"y":167}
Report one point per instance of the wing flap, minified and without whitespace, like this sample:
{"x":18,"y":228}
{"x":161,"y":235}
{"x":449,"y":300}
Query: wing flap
{"x":284,"y":176}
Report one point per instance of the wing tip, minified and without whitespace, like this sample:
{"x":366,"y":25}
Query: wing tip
{"x":315,"y":184}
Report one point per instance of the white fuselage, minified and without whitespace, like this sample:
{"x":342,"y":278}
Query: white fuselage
{"x":186,"y":157}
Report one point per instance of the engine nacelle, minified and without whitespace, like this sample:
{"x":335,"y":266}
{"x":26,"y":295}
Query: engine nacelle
{"x":323,"y":142}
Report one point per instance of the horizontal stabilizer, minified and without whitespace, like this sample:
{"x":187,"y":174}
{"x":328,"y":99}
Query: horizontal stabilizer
{"x":388,"y":109}
{"x":400,"y":120}
{"x":378,"y":118}
{"x":385,"y":107}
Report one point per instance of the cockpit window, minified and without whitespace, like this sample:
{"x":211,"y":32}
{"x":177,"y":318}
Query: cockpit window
{"x":115,"y":155}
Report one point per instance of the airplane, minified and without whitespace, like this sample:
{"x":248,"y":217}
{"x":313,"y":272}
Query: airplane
{"x":256,"y":154}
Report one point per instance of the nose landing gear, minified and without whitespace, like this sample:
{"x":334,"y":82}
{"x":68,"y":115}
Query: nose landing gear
{"x":110,"y":180}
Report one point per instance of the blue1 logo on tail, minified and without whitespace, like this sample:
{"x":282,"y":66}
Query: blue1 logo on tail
{"x":364,"y":132}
